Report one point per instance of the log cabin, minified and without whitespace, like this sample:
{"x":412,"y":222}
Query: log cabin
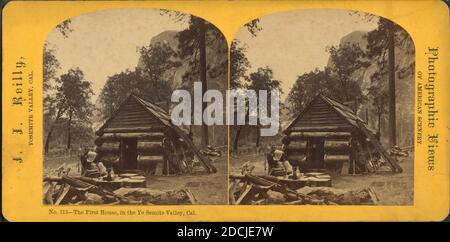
{"x":140,"y":136}
{"x":327,"y":134}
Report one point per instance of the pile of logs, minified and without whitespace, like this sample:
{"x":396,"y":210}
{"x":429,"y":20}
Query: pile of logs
{"x":83,"y":190}
{"x":248,"y":189}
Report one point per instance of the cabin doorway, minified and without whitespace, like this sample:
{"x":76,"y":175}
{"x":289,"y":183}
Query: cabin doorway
{"x":128,"y":154}
{"x":316,"y":160}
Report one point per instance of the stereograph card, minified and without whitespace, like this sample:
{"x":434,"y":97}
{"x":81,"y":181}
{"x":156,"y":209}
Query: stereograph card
{"x":225,"y":111}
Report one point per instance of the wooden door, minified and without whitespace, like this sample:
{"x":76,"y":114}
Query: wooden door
{"x":128,"y":154}
{"x":317,"y":153}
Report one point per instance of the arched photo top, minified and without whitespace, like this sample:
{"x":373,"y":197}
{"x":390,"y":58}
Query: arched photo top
{"x":341,"y":73}
{"x":116,"y":39}
{"x":114,"y":72}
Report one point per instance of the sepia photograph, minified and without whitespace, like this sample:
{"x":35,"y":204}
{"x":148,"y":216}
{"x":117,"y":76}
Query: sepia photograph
{"x":346,"y":121}
{"x":108,"y":135}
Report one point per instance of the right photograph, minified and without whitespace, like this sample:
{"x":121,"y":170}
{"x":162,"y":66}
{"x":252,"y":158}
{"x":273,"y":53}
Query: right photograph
{"x":346,"y":110}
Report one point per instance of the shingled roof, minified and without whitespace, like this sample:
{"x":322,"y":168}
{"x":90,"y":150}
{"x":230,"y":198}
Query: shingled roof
{"x":343,"y":111}
{"x":160,"y":113}
{"x":156,"y":111}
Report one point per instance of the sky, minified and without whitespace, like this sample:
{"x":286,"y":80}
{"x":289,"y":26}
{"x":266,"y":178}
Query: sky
{"x":105,"y":43}
{"x":293,"y":43}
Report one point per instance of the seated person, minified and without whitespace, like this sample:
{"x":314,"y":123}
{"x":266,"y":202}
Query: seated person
{"x":90,"y":166}
{"x":278,"y":165}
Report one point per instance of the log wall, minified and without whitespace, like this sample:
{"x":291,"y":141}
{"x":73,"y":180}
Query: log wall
{"x":320,"y":121}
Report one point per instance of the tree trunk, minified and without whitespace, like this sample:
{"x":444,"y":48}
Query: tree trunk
{"x":379,"y":123}
{"x":258,"y":133}
{"x":236,"y":138}
{"x":47,"y":141}
{"x":391,"y":71}
{"x":202,"y":46}
{"x":52,"y":127}
{"x":240,"y":127}
{"x":69,"y":136}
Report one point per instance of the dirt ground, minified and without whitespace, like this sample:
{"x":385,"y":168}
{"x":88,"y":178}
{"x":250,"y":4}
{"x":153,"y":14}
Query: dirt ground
{"x":207,"y":188}
{"x":391,"y":189}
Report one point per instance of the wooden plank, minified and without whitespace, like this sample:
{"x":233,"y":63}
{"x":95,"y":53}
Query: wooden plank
{"x":157,"y":136}
{"x":129,"y":119}
{"x":65,"y":189}
{"x":131,"y":126}
{"x":245,"y":194}
{"x":321,"y":117}
{"x":132,"y":112}
{"x":114,"y":136}
{"x":330,"y":122}
{"x":134,"y":115}
{"x":142,"y":122}
{"x":374,"y":141}
{"x":205,"y":160}
{"x":133,"y":129}
{"x":296,"y":135}
{"x":320,"y":128}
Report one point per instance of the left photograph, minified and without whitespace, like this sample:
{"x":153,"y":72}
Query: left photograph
{"x":108,"y":136}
